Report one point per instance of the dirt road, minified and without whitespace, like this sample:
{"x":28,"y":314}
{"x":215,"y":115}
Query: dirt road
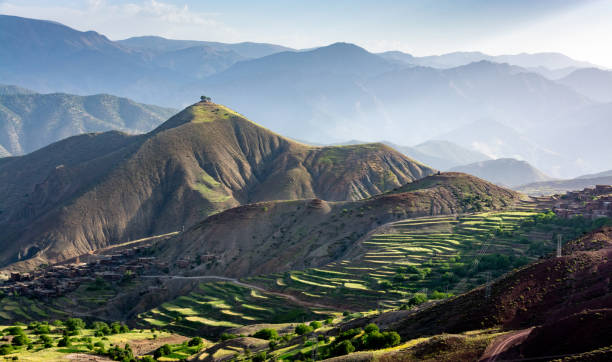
{"x":503,"y":343}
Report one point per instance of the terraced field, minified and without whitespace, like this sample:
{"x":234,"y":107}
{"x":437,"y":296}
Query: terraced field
{"x":215,"y":307}
{"x":435,"y":256}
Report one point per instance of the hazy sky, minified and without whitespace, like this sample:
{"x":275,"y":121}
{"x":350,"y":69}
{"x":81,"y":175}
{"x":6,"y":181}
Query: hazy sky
{"x":581,"y":29}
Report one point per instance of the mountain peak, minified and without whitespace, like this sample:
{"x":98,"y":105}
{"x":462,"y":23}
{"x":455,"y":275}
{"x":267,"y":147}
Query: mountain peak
{"x":200,"y":112}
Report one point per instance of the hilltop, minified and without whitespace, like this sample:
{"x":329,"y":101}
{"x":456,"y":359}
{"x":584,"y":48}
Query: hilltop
{"x":89,"y":191}
{"x":29,"y":121}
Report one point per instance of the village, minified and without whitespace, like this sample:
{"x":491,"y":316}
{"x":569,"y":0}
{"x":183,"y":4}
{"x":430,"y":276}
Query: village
{"x":591,"y":203}
{"x":60,"y":279}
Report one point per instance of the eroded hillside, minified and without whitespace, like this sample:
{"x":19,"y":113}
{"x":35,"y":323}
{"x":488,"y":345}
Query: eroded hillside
{"x":89,"y":191}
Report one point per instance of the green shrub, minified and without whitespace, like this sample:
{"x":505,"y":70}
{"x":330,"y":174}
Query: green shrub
{"x":64,"y":342}
{"x":162,"y":351}
{"x":302,"y":329}
{"x":21,"y":340}
{"x":266,"y":333}
{"x":343,"y":348}
{"x":371,"y":328}
{"x":5,"y":349}
{"x":329,"y":321}
{"x":316,"y":324}
{"x":14,"y":331}
{"x":225,"y":336}
{"x":194,"y":342}
{"x":260,"y":357}
{"x":416,"y":299}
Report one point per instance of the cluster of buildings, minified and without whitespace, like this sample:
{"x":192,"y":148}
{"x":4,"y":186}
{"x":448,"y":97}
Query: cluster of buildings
{"x":60,"y":279}
{"x":591,"y":203}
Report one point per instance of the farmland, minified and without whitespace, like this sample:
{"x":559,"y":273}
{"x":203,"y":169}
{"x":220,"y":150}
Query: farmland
{"x":429,"y":258}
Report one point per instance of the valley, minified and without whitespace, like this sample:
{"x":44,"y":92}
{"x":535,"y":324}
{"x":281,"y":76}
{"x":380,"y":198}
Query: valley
{"x":315,"y":181}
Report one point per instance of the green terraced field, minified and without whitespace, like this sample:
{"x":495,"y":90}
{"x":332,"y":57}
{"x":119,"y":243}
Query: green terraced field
{"x":449,"y":254}
{"x":221,"y":305}
{"x":437,"y":256}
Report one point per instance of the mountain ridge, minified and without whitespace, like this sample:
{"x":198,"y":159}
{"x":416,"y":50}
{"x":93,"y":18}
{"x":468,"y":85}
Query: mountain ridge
{"x":204,"y":159}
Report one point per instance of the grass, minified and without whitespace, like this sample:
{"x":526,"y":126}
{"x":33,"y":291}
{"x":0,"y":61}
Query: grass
{"x":39,"y":353}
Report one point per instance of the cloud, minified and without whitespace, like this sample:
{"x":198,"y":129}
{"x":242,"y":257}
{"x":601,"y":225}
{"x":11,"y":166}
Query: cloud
{"x":125,"y":19}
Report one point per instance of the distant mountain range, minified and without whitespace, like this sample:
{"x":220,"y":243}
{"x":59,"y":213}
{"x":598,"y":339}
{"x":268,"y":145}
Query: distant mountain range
{"x":332,"y":93}
{"x":504,"y":171}
{"x":546,"y":61}
{"x":92,"y":190}
{"x":29,"y":121}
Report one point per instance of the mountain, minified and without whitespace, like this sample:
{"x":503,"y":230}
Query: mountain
{"x":451,"y":153}
{"x":92,"y":190}
{"x":498,"y":140}
{"x":158,"y":44}
{"x":50,"y":57}
{"x":7,"y":90}
{"x":565,"y":136}
{"x":344,"y":90}
{"x":441,"y":155}
{"x":29,"y":121}
{"x":562,"y":186}
{"x":198,"y":61}
{"x":504,"y":171}
{"x":592,"y":82}
{"x":277,"y":236}
{"x":548,"y":61}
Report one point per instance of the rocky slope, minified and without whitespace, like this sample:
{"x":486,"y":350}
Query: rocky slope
{"x":29,"y":121}
{"x":277,"y":236}
{"x":88,"y":191}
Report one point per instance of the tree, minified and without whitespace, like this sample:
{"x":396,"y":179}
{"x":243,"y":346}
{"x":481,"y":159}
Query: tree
{"x":342,"y":348}
{"x":21,"y":340}
{"x":266,"y":333}
{"x":315,"y":324}
{"x":64,"y":342}
{"x":194,"y":342}
{"x":302,"y":329}
{"x":205,"y":99}
{"x":371,"y":328}
{"x":162,"y":351}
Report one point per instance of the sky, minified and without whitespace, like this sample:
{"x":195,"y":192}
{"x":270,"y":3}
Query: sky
{"x":578,"y":28}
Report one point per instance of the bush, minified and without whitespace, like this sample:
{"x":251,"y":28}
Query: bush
{"x":147,"y":359}
{"x":260,"y":357}
{"x":120,"y":354}
{"x":74,"y":324}
{"x":21,"y":340}
{"x":14,"y":331}
{"x":44,"y":339}
{"x":42,"y":329}
{"x":316,"y":324}
{"x":64,"y":342}
{"x":343,"y":348}
{"x":226,"y":336}
{"x":371,"y":328}
{"x":302,"y":329}
{"x":5,"y":349}
{"x":266,"y":333}
{"x":99,"y":344}
{"x":416,"y":299}
{"x":272,"y":345}
{"x":329,"y":321}
{"x":162,"y":351}
{"x":348,"y":334}
{"x":194,"y":342}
